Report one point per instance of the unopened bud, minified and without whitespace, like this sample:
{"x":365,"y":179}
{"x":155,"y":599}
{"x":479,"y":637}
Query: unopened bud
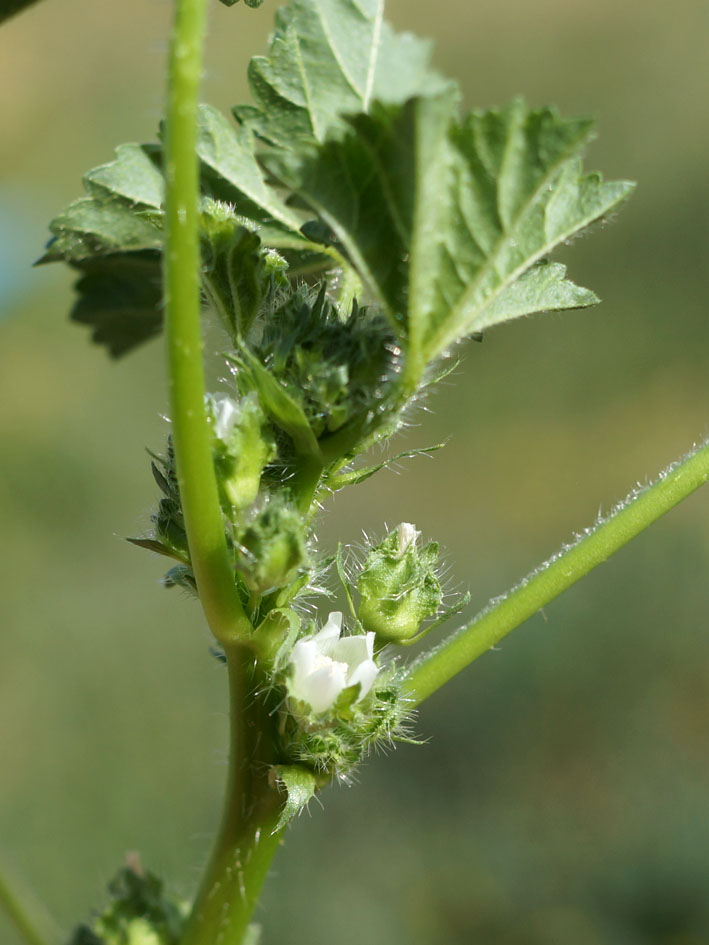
{"x":243,"y":445}
{"x":272,"y":548}
{"x":398,"y":586}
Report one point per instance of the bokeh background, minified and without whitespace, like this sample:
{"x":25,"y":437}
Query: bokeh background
{"x":563,"y":795}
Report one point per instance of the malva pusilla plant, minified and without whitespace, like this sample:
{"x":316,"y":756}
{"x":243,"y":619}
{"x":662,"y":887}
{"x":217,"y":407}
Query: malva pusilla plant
{"x":350,"y":228}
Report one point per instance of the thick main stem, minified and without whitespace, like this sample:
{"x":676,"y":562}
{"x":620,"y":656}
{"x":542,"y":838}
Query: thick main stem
{"x":551,"y":579}
{"x":248,"y":835}
{"x":191,"y":435}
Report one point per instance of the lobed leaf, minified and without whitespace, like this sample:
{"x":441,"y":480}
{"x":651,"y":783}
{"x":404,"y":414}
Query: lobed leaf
{"x":329,"y":58}
{"x":441,"y":217}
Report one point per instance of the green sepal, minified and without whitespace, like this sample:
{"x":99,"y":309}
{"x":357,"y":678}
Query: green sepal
{"x":277,"y":633}
{"x":300,"y":785}
{"x":282,"y":408}
{"x":151,"y":544}
{"x":449,"y":612}
{"x":272,"y":548}
{"x":355,"y":476}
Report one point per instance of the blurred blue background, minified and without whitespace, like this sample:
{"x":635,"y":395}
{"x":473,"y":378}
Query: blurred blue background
{"x":563,"y":796}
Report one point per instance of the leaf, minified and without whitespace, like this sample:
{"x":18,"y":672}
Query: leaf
{"x":300,"y":785}
{"x":9,"y":8}
{"x":151,"y":544}
{"x":133,"y":175}
{"x":229,"y":152}
{"x":441,"y":217}
{"x":329,"y":58}
{"x":355,"y":476}
{"x":120,"y":299}
{"x":90,"y":227}
{"x":283,"y":410}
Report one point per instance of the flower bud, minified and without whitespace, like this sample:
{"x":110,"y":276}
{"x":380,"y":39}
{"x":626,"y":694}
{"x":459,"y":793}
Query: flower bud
{"x":272,"y":548}
{"x":398,"y":586}
{"x":243,"y":445}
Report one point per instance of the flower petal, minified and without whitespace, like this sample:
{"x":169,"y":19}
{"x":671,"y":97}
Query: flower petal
{"x":330,"y":633}
{"x":304,"y":659}
{"x":364,"y":674}
{"x":324,"y":686}
{"x":351,"y":650}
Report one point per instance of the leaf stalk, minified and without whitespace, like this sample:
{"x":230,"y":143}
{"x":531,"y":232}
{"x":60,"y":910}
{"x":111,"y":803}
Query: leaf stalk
{"x":504,"y":614}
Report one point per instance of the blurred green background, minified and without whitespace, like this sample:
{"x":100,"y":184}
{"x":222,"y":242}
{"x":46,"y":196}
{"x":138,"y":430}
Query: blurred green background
{"x":563,"y":797}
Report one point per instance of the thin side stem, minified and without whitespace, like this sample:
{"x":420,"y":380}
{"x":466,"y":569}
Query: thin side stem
{"x":27,"y":914}
{"x":198,"y":488}
{"x":501,"y":616}
{"x":248,"y":835}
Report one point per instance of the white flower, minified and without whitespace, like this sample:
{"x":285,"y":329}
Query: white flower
{"x":327,"y":663}
{"x":407,"y":535}
{"x":226,"y":416}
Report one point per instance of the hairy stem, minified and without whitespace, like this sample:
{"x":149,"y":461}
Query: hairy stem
{"x":27,"y":914}
{"x":198,"y":488}
{"x":248,"y":835}
{"x":501,"y":616}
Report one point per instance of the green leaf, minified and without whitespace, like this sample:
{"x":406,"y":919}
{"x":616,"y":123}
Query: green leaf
{"x":133,"y":176}
{"x":441,"y":217}
{"x":90,"y":227}
{"x":9,"y":8}
{"x":283,"y":409}
{"x":229,"y":152}
{"x":120,"y":299}
{"x":300,"y":784}
{"x":329,"y":58}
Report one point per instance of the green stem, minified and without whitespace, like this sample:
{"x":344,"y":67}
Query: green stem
{"x":27,"y":914}
{"x":248,"y":835}
{"x":631,"y":517}
{"x":193,"y":451}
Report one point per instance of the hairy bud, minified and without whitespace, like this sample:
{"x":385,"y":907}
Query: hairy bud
{"x":398,"y":586}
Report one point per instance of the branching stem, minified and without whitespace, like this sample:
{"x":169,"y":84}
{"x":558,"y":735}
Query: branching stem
{"x":501,"y":616}
{"x":248,"y":835}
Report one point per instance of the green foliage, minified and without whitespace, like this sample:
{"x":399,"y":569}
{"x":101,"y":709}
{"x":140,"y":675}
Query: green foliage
{"x":447,"y":222}
{"x":472,"y":206}
{"x":330,"y":58}
{"x":9,"y":8}
{"x":139,"y":913}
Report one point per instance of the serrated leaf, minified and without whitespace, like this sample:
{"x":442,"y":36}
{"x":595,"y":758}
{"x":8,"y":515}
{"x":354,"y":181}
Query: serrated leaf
{"x":132,"y":176}
{"x":120,"y":299}
{"x":329,"y":58}
{"x":90,"y":227}
{"x":442,"y":217}
{"x":229,"y":152}
{"x":281,"y":407}
{"x":300,"y":785}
